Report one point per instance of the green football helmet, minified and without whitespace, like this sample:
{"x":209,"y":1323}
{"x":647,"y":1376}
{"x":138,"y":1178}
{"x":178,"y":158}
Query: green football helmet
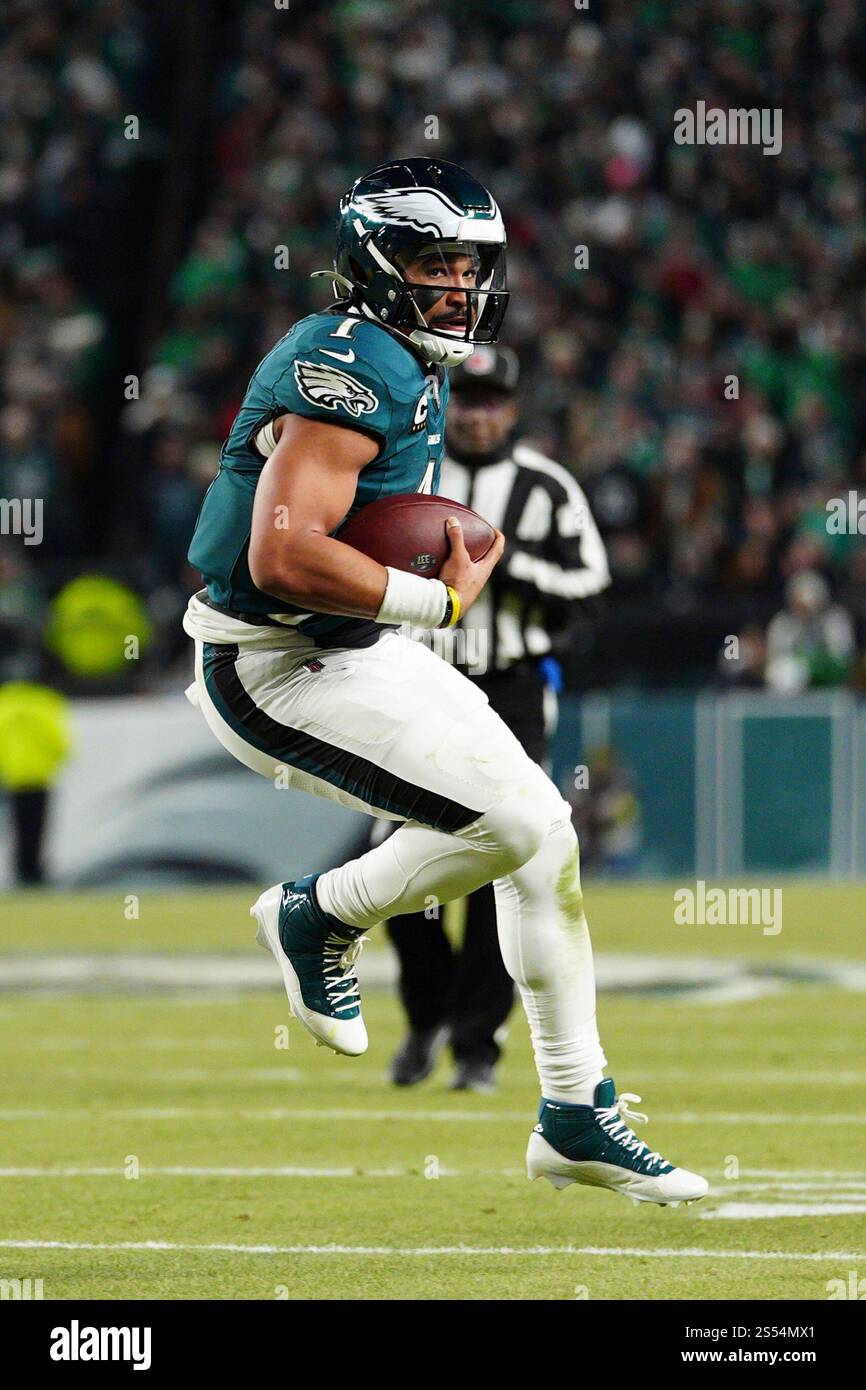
{"x":422,"y":210}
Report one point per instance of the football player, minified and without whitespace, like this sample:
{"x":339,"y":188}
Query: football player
{"x":302,"y":673}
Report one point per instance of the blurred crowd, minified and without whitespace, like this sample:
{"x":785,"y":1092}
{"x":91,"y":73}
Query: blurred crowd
{"x":69,"y":74}
{"x":700,"y":366}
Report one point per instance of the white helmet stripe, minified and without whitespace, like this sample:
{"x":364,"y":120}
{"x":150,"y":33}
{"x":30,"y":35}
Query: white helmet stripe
{"x":482,"y":229}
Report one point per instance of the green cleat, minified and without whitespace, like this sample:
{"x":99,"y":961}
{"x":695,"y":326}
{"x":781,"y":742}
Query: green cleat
{"x":316,"y":953}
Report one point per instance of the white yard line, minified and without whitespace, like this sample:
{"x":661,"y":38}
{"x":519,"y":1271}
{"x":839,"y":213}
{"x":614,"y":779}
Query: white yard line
{"x":197,"y":1171}
{"x":647,"y":1074}
{"x":758,"y":1118}
{"x":824,"y":1173}
{"x":785,"y":1075}
{"x":819,"y":1187}
{"x":254,"y":1075}
{"x":758,"y":1211}
{"x":616,"y":1252}
{"x":264,"y":1113}
{"x":705,"y":980}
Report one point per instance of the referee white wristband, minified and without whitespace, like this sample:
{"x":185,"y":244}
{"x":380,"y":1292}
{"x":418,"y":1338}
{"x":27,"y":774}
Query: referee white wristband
{"x":411,"y":599}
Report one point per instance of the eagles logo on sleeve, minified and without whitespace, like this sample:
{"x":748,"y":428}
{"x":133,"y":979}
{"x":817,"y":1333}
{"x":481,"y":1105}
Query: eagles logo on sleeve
{"x":330,"y":387}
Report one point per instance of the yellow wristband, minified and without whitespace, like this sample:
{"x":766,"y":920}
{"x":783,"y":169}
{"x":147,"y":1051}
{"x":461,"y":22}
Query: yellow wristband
{"x":455,"y":604}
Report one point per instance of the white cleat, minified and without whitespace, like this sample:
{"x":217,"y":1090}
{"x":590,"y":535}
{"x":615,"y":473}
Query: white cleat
{"x":666,"y":1189}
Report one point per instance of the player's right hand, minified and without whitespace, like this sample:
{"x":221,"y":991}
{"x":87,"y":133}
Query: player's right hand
{"x":460,"y":572}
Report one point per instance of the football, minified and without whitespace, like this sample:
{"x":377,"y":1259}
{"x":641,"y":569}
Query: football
{"x":407,"y":532}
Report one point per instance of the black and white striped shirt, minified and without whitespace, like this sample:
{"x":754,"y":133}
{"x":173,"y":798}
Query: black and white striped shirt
{"x":554,"y":555}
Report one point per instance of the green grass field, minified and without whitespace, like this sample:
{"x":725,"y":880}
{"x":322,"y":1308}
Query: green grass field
{"x":270,"y":1172}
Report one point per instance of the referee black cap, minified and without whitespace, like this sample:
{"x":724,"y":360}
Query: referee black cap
{"x":488,"y":369}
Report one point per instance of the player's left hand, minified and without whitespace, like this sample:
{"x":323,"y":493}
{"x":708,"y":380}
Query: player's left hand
{"x":461,"y":573}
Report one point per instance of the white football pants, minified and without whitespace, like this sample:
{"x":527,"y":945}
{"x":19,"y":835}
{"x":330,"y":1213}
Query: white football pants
{"x":395,"y":731}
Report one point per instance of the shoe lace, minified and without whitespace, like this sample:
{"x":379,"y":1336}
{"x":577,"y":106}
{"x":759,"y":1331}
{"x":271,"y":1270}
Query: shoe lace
{"x":341,"y":983}
{"x":612,"y":1119}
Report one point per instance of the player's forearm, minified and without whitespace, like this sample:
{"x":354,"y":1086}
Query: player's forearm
{"x":321,"y":574}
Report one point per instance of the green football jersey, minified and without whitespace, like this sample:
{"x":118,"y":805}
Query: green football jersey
{"x":345,"y":370}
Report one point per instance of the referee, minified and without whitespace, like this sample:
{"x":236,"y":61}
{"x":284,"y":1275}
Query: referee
{"x":553,"y":557}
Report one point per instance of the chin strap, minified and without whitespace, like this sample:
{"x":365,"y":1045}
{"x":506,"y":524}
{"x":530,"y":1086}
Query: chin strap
{"x":337,"y":279}
{"x":440,"y":351}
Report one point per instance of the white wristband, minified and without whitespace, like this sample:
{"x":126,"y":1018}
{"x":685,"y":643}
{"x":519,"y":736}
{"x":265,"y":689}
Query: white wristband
{"x":411,"y":599}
